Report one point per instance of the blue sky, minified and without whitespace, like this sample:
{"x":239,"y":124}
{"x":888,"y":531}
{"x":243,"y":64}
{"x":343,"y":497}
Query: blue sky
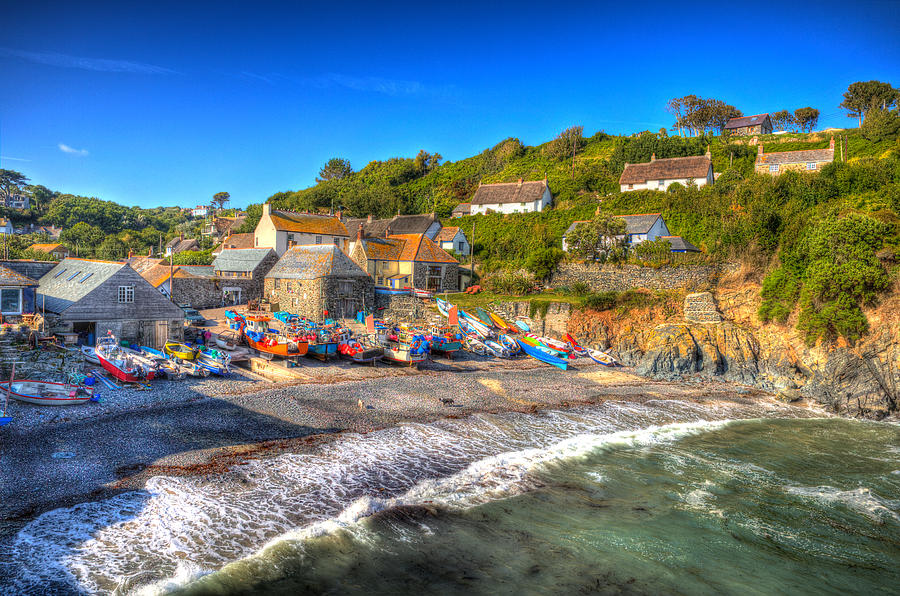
{"x":167,"y":103}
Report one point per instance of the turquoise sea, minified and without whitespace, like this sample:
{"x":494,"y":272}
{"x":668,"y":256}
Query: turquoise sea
{"x":661,"y":497}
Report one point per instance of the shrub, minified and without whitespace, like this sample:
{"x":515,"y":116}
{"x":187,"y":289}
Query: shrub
{"x":504,"y":282}
{"x":600,"y":301}
{"x":780,"y":290}
{"x":580,"y":288}
{"x":543,"y":261}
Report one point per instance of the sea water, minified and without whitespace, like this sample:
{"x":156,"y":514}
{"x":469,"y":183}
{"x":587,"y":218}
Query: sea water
{"x":665,"y":496}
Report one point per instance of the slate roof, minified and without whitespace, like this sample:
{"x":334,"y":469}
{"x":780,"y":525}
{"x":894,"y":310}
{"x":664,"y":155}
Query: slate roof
{"x":310,"y":223}
{"x":806,"y":155}
{"x":239,"y":241}
{"x":315,"y":260}
{"x":399,"y":224}
{"x":634,"y":224}
{"x":464,"y":208}
{"x":159,"y":273}
{"x":447,"y":234}
{"x":743,"y":121}
{"x":679,"y":243}
{"x":509,"y":192}
{"x":406,"y":247}
{"x":695,"y":167}
{"x":182,"y":244}
{"x":71,"y":280}
{"x":240,"y":259}
{"x":47,"y":248}
{"x":8,"y":277}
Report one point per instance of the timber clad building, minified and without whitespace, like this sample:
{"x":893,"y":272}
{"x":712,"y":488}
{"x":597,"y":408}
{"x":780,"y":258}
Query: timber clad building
{"x":808,"y":160}
{"x":314,"y":280}
{"x":659,"y":174}
{"x":92,"y":297}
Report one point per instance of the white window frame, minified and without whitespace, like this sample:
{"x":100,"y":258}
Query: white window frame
{"x":773,"y":167}
{"x":18,"y":311}
{"x":662,"y":184}
{"x":318,"y":240}
{"x":126,"y":295}
{"x":811,"y":165}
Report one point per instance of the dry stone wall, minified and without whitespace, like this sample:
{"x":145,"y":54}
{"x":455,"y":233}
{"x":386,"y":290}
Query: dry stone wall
{"x":618,"y":278}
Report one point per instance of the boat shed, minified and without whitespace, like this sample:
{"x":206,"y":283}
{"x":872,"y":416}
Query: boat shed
{"x":312,"y":280}
{"x":91,"y":297}
{"x":16,"y":295}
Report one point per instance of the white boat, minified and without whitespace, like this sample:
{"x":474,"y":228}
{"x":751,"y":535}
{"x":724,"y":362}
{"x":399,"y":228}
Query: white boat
{"x":90,"y":354}
{"x":45,"y":393}
{"x":228,"y":340}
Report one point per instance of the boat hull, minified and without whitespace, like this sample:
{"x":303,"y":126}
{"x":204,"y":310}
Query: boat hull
{"x":538,"y":354}
{"x":180,"y":351}
{"x":118,"y":373}
{"x":403,"y":356}
{"x":57,"y":394}
{"x":279,"y":349}
{"x":322,"y":351}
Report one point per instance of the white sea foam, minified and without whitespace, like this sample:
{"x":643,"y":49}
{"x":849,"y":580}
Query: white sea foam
{"x":860,"y":499}
{"x":180,"y":523}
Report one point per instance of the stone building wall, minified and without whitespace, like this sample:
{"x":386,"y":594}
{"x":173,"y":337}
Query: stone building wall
{"x":399,"y":308}
{"x":310,"y":298}
{"x":618,"y":278}
{"x":763,"y":168}
{"x":449,"y":281}
{"x":199,"y":293}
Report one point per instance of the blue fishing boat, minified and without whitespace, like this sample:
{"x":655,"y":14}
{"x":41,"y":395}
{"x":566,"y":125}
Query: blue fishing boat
{"x":542,"y":355}
{"x":323,"y":350}
{"x":213,"y":360}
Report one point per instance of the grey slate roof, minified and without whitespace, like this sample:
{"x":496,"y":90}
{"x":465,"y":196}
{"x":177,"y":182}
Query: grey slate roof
{"x":634,"y":224}
{"x":804,"y":156}
{"x":181,"y":245}
{"x":679,"y":243}
{"x":743,"y":121}
{"x":399,"y":224}
{"x":198,"y":270}
{"x":240,"y":259}
{"x":10,"y":278}
{"x":463,"y":208}
{"x":315,"y":260}
{"x":71,"y":280}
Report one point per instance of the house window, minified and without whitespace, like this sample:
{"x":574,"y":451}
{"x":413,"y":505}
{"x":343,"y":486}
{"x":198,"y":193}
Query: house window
{"x":318,"y":240}
{"x":435,"y":277}
{"x":11,"y":301}
{"x":631,"y":187}
{"x":811,"y":165}
{"x":522,"y":204}
{"x":337,"y":241}
{"x":459,"y":247}
{"x":275,"y":283}
{"x":662,"y":183}
{"x":773,"y":167}
{"x":126,"y":294}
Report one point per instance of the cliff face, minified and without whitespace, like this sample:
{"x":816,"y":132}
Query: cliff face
{"x":720,"y":337}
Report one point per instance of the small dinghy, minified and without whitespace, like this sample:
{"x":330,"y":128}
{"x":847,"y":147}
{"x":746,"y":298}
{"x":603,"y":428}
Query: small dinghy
{"x":121,"y":364}
{"x":542,"y":354}
{"x":215,"y":361}
{"x":352,"y":349}
{"x":179,"y":350}
{"x":228,"y":340}
{"x":45,"y":393}
{"x":90,"y":354}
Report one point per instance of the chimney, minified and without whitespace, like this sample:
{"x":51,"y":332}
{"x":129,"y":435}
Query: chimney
{"x":398,"y":211}
{"x":520,"y":182}
{"x":832,"y":143}
{"x":181,"y":236}
{"x":652,"y":157}
{"x":359,"y":232}
{"x":267,"y":209}
{"x":370,"y":218}
{"x":339,"y":214}
{"x":387,"y":231}
{"x":709,"y":151}
{"x":759,"y":149}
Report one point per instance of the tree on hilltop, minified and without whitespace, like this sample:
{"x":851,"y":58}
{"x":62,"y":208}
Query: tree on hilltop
{"x":219,"y":200}
{"x":806,"y":118}
{"x":426,"y":162}
{"x":603,"y":238}
{"x":782,"y":120}
{"x":335,"y":169}
{"x":863,"y":96}
{"x":11,"y":182}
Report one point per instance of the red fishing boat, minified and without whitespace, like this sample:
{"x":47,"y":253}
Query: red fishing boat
{"x":255,"y":328}
{"x":120,"y":364}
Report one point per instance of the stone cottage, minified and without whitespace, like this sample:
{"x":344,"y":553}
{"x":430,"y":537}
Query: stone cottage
{"x":808,"y":160}
{"x":426,"y":223}
{"x":193,"y":285}
{"x":241,"y":273}
{"x":659,"y":174}
{"x":181,"y":244}
{"x":92,"y":297}
{"x":638,"y":228}
{"x":407,"y":260}
{"x":312,"y":280}
{"x":760,"y":124}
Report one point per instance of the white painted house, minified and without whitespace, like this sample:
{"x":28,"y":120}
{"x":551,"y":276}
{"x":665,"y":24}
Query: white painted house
{"x":451,"y":238}
{"x":281,"y":230}
{"x":511,"y":197}
{"x":638,"y":228}
{"x":659,"y":174}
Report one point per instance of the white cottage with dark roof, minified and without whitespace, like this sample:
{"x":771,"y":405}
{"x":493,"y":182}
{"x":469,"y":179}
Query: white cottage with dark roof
{"x":511,"y":197}
{"x":92,"y":297}
{"x":641,"y":228}
{"x":659,"y":174}
{"x":241,"y":272}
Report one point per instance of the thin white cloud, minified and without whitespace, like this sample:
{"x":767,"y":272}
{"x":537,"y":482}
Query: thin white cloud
{"x":72,"y":150}
{"x":13,"y":158}
{"x":392,"y":87}
{"x":96,"y":64}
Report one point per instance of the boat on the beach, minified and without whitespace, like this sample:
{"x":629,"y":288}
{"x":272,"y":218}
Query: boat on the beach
{"x":45,"y":393}
{"x":354,"y":350}
{"x":542,"y":354}
{"x":215,"y":361}
{"x":598,"y":356}
{"x":228,"y":340}
{"x":385,"y":291}
{"x":165,"y":365}
{"x":90,"y":354}
{"x":400,"y":347}
{"x":256,"y":331}
{"x":120,"y":364}
{"x":180,"y":350}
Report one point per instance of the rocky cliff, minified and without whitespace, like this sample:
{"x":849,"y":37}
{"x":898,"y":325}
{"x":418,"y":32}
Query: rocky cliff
{"x":718,"y":336}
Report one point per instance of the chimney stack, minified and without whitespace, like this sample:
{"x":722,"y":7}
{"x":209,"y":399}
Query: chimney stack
{"x":369,"y":219}
{"x":759,"y":149}
{"x":387,"y":231}
{"x":520,"y":182}
{"x":339,"y":214}
{"x":653,"y":157}
{"x":359,"y":232}
{"x":267,"y":209}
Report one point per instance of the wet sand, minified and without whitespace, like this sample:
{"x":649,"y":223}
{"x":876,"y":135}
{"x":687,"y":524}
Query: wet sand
{"x":206,"y":426}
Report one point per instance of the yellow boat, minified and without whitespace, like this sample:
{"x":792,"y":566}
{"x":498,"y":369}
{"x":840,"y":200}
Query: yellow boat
{"x":501,"y":323}
{"x":179,"y":350}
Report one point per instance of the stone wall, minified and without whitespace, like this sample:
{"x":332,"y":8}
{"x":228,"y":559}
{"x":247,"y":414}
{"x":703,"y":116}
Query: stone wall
{"x":618,"y":278}
{"x":449,"y":281}
{"x":199,"y":293}
{"x":399,"y":308}
{"x":701,"y":308}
